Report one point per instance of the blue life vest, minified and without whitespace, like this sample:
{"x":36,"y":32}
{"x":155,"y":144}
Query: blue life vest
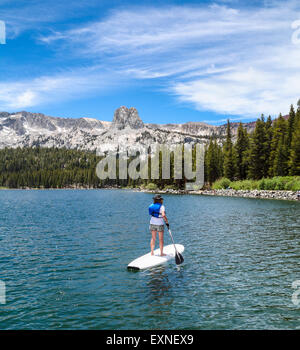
{"x":154,"y":209}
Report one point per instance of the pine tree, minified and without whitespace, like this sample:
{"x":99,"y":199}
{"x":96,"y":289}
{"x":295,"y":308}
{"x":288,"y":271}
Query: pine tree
{"x":291,"y":123}
{"x":269,"y":136}
{"x":257,"y":154}
{"x":280,"y":165}
{"x":241,"y":148}
{"x":213,"y":161}
{"x":294,"y":161}
{"x":297,"y":118}
{"x":279,"y":148}
{"x":229,"y":155}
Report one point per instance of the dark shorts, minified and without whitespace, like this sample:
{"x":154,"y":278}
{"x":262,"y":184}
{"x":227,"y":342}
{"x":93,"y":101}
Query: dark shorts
{"x":158,"y":228}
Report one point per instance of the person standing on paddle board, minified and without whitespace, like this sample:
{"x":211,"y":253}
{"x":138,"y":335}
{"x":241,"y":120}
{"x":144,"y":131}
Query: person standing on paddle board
{"x":158,"y":217}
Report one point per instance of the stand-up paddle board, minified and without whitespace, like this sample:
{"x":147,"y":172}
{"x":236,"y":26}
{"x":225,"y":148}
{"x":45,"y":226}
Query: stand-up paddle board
{"x":146,"y":261}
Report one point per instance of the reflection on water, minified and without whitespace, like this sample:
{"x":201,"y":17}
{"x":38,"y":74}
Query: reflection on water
{"x":160,"y":293}
{"x":157,"y":279}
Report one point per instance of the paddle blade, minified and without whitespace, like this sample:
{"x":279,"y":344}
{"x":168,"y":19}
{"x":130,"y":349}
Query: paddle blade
{"x":178,"y":258}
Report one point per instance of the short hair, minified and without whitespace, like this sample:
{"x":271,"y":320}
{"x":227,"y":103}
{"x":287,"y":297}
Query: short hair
{"x":157,"y":200}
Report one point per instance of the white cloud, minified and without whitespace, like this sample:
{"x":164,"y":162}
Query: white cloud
{"x":233,"y":61}
{"x":247,"y":93}
{"x":34,"y":15}
{"x":238,"y":61}
{"x":45,"y":89}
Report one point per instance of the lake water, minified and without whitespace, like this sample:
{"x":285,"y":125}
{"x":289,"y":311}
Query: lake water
{"x":64,"y":253}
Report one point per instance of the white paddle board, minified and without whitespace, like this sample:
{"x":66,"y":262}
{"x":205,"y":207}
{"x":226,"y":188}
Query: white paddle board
{"x":146,"y":261}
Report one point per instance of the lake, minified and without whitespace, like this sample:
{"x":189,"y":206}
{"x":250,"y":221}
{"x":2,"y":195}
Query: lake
{"x":64,"y":253}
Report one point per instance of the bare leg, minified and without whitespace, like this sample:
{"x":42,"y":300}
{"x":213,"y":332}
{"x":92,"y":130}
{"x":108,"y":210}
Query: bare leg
{"x":152,"y":243}
{"x":161,"y":242}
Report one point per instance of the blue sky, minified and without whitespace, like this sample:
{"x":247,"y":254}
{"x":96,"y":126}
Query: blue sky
{"x":175,"y":61}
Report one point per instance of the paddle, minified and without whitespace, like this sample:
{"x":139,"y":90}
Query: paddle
{"x":178,"y":257}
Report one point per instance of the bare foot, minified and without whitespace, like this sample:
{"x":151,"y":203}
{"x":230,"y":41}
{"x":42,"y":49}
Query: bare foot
{"x":163,"y":254}
{"x":152,"y":253}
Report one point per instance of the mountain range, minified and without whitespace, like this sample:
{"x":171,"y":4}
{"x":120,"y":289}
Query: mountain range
{"x":25,"y":129}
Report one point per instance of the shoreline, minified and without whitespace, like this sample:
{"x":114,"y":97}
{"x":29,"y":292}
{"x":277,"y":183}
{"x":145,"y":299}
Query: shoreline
{"x":258,"y":194}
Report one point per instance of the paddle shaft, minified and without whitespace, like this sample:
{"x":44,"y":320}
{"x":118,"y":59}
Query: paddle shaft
{"x":172,"y":240}
{"x":178,"y":257}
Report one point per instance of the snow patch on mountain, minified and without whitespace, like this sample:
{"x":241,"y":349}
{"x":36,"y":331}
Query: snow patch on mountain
{"x":24,"y":129}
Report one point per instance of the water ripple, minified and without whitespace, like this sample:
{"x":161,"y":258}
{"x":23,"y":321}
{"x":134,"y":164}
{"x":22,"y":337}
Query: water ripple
{"x":63,"y":257}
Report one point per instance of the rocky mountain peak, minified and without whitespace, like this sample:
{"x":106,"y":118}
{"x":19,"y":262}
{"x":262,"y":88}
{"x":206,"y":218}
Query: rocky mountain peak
{"x":26,"y":129}
{"x":124,"y":117}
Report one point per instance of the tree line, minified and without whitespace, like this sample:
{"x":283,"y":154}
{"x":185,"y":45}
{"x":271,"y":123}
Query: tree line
{"x":47,"y":168}
{"x":37,"y":167}
{"x":272,"y":149}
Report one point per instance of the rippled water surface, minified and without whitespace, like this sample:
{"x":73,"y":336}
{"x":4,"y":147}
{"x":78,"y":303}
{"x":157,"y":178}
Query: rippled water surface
{"x":63,"y":258}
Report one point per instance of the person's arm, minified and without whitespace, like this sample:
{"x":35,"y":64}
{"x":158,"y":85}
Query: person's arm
{"x":165,"y":218}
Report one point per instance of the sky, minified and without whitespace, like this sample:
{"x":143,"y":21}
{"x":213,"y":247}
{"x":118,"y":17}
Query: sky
{"x":175,"y":61}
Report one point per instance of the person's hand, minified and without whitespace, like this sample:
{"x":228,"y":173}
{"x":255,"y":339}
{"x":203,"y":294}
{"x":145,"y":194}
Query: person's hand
{"x":168,"y":226}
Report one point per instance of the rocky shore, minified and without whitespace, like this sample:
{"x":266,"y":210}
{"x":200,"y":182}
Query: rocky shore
{"x":264,"y":194}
